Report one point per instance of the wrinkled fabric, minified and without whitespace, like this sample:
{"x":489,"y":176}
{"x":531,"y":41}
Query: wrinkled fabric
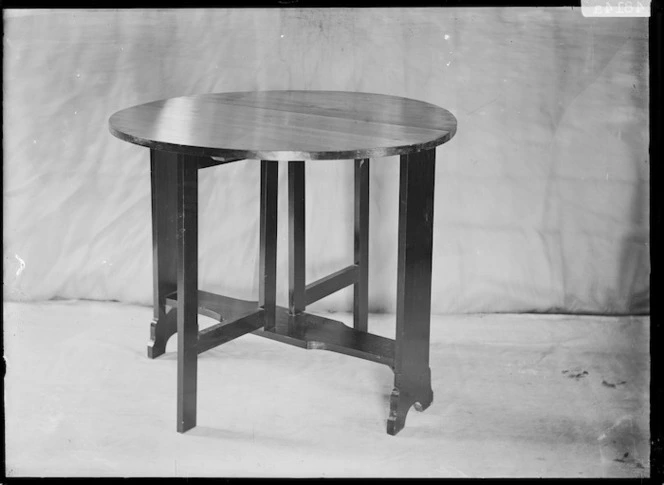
{"x":541,"y":197}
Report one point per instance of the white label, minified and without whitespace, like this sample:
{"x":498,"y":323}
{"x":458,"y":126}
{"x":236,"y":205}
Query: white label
{"x":615,"y":8}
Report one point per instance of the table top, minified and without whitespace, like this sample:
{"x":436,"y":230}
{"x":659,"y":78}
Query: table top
{"x":286,"y":125}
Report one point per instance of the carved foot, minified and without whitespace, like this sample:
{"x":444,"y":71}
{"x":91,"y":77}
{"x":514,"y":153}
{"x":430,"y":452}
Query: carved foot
{"x":405,"y":395}
{"x":160,"y":331}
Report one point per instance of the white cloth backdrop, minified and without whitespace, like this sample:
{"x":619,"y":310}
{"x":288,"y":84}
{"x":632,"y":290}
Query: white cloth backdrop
{"x":541,"y":198}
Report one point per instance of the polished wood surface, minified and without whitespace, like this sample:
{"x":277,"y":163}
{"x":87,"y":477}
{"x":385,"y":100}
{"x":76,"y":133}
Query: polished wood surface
{"x":187,"y":289}
{"x":267,"y":287}
{"x":226,"y":331}
{"x":286,"y":125}
{"x":412,"y":375}
{"x":303,"y":330}
{"x":361,"y":246}
{"x":296,"y":238}
{"x":197,"y":132}
{"x":329,"y":284}
{"x":164,"y":179}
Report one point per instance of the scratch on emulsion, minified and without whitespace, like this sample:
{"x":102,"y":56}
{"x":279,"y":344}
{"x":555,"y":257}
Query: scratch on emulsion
{"x":21,"y":265}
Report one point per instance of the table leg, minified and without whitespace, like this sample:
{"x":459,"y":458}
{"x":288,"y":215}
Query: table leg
{"x":163,"y":175}
{"x":187,"y":288}
{"x":412,"y":380}
{"x":267,"y":298}
{"x":361,"y":287}
{"x":296,"y":247}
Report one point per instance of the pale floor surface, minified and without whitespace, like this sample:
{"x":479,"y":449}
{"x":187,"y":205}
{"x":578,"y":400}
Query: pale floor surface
{"x":514,"y":396}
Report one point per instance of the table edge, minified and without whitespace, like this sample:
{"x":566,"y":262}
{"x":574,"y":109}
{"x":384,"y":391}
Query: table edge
{"x":225,"y":153}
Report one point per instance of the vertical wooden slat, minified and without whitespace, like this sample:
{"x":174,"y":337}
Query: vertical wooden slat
{"x":268,"y":241}
{"x":187,"y":288}
{"x":361,"y":246}
{"x":163,"y":176}
{"x":296,"y":246}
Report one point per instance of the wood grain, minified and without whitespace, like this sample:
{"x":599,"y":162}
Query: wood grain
{"x":286,"y":125}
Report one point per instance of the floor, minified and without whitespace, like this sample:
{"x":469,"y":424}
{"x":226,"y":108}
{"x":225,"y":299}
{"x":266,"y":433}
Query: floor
{"x":514,"y":396}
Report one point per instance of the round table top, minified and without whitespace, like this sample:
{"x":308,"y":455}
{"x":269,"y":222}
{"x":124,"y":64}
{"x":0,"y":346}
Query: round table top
{"x":286,"y":125}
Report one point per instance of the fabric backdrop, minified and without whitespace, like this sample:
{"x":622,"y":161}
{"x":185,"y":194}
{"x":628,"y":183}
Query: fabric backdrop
{"x":541,"y":197}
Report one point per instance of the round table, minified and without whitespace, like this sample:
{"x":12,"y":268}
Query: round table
{"x":190,"y":133}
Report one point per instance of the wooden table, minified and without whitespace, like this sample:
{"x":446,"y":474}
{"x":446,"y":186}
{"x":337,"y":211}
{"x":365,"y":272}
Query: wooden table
{"x":190,"y":133}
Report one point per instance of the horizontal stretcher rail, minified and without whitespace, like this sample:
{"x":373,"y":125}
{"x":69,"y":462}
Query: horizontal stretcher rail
{"x":310,"y":331}
{"x":303,"y":330}
{"x":222,"y":309}
{"x":330,"y":284}
{"x":225,"y":332}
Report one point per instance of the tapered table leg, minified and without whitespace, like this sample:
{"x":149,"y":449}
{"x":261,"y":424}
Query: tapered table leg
{"x":187,"y":288}
{"x":163,"y":174}
{"x":296,"y":247}
{"x":267,"y":298}
{"x":361,"y":287}
{"x":412,"y":379}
